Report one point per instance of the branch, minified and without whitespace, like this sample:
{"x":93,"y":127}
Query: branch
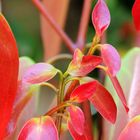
{"x":84,"y":24}
{"x":55,"y":26}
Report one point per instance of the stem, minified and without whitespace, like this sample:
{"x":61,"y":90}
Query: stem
{"x":88,"y":119}
{"x":57,"y":108}
{"x":84,"y":24}
{"x":55,"y":26}
{"x":51,"y":86}
{"x":59,"y":57}
{"x":60,"y":98}
{"x":71,"y":79}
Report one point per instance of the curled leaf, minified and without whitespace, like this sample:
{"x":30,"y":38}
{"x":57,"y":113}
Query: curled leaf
{"x":132,"y":130}
{"x":39,"y":73}
{"x":83,"y":92}
{"x":82,"y":65}
{"x":111,"y":58}
{"x":136,"y":14}
{"x":77,"y":119}
{"x":42,"y":128}
{"x":8,"y":73}
{"x":100,"y":17}
{"x":104,"y":103}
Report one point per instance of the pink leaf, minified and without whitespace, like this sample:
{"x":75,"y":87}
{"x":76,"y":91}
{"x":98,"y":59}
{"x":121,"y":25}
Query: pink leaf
{"x":82,"y":65}
{"x":77,"y":119}
{"x":17,"y":110}
{"x":39,"y":73}
{"x":42,"y":128}
{"x":83,"y":92}
{"x":74,"y":134}
{"x":104,"y":103}
{"x":134,"y":102}
{"x":136,"y":14}
{"x":132,"y":130}
{"x":100,"y":17}
{"x":111,"y":58}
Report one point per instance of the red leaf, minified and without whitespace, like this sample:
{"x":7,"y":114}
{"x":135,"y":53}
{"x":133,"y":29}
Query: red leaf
{"x":42,"y":128}
{"x":111,"y":58}
{"x":100,"y":17}
{"x":8,"y":73}
{"x":77,"y":119}
{"x":136,"y":14}
{"x":132,"y":130}
{"x":82,"y":65}
{"x":83,"y":92}
{"x":104,"y":103}
{"x":39,"y":73}
{"x":74,"y":134}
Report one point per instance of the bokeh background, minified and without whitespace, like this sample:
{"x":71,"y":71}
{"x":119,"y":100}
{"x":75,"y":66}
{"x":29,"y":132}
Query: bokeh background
{"x":24,"y":20}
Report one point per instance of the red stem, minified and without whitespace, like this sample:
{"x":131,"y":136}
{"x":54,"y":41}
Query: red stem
{"x":84,"y":24}
{"x":55,"y":26}
{"x":80,"y":43}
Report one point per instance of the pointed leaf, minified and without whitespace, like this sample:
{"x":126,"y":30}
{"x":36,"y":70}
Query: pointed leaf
{"x":77,"y":119}
{"x":74,"y":134}
{"x":39,"y":73}
{"x":132,"y":130}
{"x":83,"y":92}
{"x":8,"y":73}
{"x":42,"y":128}
{"x":136,"y":14}
{"x":104,"y":103}
{"x":100,"y":17}
{"x":82,"y":65}
{"x":119,"y":91}
{"x":111,"y":58}
{"x":125,"y":77}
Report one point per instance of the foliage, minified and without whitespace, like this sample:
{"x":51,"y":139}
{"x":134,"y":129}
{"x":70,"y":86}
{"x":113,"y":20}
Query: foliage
{"x":75,"y":90}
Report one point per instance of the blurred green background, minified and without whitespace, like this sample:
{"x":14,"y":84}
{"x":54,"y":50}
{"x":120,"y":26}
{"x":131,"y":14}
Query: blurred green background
{"x":24,"y":20}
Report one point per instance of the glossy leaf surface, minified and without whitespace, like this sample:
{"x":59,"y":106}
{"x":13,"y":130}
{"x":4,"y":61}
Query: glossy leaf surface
{"x":104,"y":103}
{"x":132,"y":130}
{"x":39,"y":73}
{"x":136,"y":14}
{"x":42,"y":128}
{"x":8,"y":73}
{"x":100,"y":17}
{"x":111,"y":58}
{"x":77,"y":119}
{"x":83,"y":92}
{"x":82,"y":65}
